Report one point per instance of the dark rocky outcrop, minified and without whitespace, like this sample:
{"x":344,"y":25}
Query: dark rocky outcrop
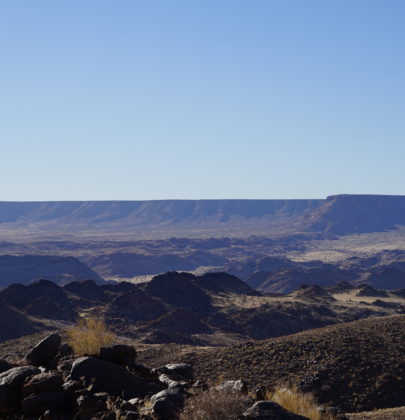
{"x":86,"y":289}
{"x":179,"y":289}
{"x":136,"y":306}
{"x":45,"y":307}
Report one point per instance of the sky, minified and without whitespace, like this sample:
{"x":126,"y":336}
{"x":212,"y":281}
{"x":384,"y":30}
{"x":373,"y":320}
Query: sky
{"x":149,"y":99}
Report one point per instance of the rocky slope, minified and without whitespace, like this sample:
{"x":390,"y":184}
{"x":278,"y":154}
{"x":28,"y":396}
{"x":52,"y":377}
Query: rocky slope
{"x":357,"y":366}
{"x":351,"y":367}
{"x":51,"y":383}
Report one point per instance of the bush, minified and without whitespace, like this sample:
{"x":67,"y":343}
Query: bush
{"x":298,"y":402}
{"x":89,"y":335}
{"x":215,"y":405}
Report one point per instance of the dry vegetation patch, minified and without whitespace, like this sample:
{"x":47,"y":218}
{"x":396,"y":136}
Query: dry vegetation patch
{"x":89,"y":335}
{"x":215,"y":405}
{"x":300,"y":403}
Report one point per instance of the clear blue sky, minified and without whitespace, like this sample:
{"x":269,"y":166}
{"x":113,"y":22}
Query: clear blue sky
{"x":147,"y":99}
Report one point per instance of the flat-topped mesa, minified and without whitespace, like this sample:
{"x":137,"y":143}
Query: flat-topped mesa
{"x":346,"y":214}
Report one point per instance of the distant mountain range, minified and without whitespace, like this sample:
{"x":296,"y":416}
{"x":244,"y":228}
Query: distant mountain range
{"x":340,"y":214}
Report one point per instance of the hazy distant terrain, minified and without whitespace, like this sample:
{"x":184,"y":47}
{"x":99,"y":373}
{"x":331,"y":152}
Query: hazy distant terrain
{"x":340,"y":215}
{"x":274,"y":245}
{"x":161,"y":218}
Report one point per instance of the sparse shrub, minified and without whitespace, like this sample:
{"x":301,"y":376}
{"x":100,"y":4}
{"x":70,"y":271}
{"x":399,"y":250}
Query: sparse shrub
{"x":89,"y":335}
{"x":215,"y":405}
{"x":299,"y":403}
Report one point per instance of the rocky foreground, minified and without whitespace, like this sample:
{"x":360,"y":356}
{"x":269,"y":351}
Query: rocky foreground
{"x":52,"y":384}
{"x":352,"y":367}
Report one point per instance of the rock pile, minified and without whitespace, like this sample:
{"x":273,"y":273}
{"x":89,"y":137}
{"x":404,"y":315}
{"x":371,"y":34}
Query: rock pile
{"x":55,"y":385}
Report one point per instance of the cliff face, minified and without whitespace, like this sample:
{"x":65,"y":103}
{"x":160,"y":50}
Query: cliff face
{"x":345,"y":214}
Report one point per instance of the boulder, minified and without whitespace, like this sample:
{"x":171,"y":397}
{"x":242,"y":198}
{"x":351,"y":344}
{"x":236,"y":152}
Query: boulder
{"x":269,"y":410}
{"x":180,"y":371}
{"x":107,"y":377}
{"x":164,"y":379}
{"x":164,"y":409}
{"x":89,"y":406}
{"x":238,"y":386}
{"x":44,"y":351}
{"x":4,"y":365}
{"x":37,"y":404}
{"x":11,"y":382}
{"x":73,"y":386}
{"x":172,"y":394}
{"x":176,"y":371}
{"x":47,"y":381}
{"x":119,"y":354}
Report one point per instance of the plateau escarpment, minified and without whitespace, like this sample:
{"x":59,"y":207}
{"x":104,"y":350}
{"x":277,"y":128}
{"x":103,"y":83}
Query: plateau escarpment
{"x":341,"y":215}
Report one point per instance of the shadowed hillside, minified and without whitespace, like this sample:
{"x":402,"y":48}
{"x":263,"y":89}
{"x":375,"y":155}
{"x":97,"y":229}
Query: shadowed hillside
{"x":28,"y":268}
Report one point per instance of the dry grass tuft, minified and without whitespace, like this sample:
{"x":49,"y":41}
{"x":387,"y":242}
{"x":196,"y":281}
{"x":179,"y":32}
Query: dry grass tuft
{"x":298,"y":402}
{"x":215,"y":405}
{"x":89,"y":335}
